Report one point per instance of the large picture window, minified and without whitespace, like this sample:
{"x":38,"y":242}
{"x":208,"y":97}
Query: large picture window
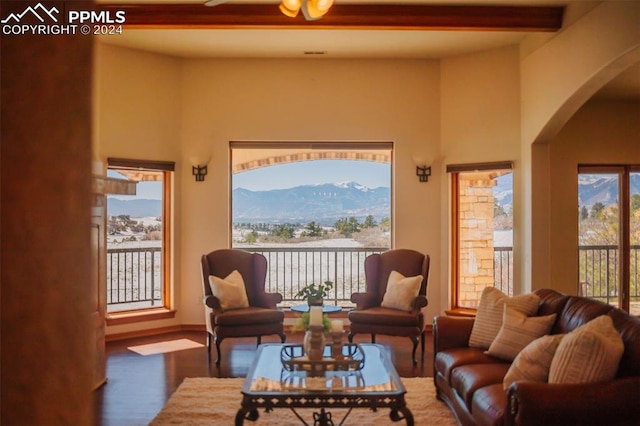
{"x":315,"y":210}
{"x":482,"y":231}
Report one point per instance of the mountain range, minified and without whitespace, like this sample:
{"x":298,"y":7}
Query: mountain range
{"x":326,"y":203}
{"x":603,"y":189}
{"x":323,"y":203}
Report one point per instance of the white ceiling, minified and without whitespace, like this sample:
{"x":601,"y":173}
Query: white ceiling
{"x":343,"y":43}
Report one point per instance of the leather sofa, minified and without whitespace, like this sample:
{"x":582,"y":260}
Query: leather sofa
{"x":476,"y":395}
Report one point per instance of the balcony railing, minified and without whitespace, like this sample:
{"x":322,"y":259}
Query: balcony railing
{"x":291,"y":268}
{"x":134,"y":274}
{"x":134,"y":278}
{"x":599,"y":274}
{"x":503,"y":269}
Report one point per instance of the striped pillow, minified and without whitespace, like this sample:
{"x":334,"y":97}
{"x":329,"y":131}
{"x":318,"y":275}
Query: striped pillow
{"x":588,"y":354}
{"x":518,"y":330}
{"x":490,"y":311}
{"x":533,"y":362}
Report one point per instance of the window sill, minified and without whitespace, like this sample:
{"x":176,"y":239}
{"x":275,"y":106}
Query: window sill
{"x":461,"y":312}
{"x":130,"y":317}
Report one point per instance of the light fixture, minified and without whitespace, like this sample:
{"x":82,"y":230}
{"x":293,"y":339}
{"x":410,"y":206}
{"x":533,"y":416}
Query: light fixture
{"x":423,"y":173}
{"x":311,"y":9}
{"x":422,"y":170}
{"x":199,"y":167}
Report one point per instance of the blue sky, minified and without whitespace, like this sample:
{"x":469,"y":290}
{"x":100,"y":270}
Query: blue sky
{"x":289,"y":175}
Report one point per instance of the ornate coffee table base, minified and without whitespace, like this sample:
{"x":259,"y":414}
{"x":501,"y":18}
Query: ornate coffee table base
{"x":249,"y":409}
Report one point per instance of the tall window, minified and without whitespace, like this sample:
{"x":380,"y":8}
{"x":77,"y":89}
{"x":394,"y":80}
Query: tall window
{"x":482,"y":231}
{"x":138,"y":236}
{"x":315,"y":210}
{"x":609,"y":235}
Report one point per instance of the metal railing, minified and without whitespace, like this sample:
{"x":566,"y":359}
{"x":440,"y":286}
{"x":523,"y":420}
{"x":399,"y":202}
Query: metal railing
{"x":291,"y":268}
{"x":134,"y":277}
{"x":503,"y":269}
{"x":598,"y":266}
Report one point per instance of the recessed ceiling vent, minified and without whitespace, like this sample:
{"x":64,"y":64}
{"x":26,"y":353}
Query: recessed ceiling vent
{"x":315,"y":52}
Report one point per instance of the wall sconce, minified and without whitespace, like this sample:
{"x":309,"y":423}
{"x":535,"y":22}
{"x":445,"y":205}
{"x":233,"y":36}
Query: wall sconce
{"x":423,"y":173}
{"x":199,"y":168}
{"x":422,"y":170}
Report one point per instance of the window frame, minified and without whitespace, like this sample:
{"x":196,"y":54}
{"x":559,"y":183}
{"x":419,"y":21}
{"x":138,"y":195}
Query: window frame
{"x":455,"y":170}
{"x":315,"y":145}
{"x":624,"y":172}
{"x":166,"y":310}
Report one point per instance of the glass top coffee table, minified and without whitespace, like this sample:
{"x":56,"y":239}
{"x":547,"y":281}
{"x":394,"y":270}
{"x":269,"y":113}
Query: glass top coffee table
{"x":271,"y":384}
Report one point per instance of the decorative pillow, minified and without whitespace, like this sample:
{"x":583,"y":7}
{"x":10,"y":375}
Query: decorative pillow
{"x":490,"y":311}
{"x":590,"y":353}
{"x":230,"y":290}
{"x":533,"y":362}
{"x":517,"y":331}
{"x":401,"y":291}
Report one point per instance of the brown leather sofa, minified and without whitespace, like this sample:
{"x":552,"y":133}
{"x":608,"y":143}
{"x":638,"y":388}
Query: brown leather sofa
{"x":476,"y":395}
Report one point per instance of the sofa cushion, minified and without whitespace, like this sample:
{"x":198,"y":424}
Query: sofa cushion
{"x":590,"y":353}
{"x":385,"y":316}
{"x":401,"y":291}
{"x":468,"y":378}
{"x":230,"y":291}
{"x":517,"y":331}
{"x":488,"y":405}
{"x":446,"y":361}
{"x":249,"y":316}
{"x":533,"y":362}
{"x":490,"y":311}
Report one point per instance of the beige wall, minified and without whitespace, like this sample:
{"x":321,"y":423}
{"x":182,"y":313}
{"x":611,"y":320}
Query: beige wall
{"x":224,"y":100}
{"x":480,"y":123}
{"x":138,"y":117}
{"x":601,"y":132}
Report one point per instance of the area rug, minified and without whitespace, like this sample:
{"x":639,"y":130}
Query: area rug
{"x":164,"y":347}
{"x":207,"y":401}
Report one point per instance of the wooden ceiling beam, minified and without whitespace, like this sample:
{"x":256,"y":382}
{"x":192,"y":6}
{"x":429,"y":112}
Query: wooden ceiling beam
{"x":343,"y":16}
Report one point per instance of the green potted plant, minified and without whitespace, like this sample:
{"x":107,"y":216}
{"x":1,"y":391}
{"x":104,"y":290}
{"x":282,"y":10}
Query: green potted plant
{"x":315,"y":294}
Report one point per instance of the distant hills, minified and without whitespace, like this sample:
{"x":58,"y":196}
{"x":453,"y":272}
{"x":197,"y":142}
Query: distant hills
{"x":134,"y":208}
{"x":323,"y":203}
{"x":603,"y":189}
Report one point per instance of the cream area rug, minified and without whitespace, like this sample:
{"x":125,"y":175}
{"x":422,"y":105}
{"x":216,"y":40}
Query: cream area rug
{"x":164,"y":347}
{"x":207,"y":401}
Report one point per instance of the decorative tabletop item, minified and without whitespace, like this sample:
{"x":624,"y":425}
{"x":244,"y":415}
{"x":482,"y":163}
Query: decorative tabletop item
{"x":315,"y":294}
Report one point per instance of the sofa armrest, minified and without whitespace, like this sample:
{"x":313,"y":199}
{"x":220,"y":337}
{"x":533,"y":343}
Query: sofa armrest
{"x":451,"y":332}
{"x":613,"y":402}
{"x":363,"y":300}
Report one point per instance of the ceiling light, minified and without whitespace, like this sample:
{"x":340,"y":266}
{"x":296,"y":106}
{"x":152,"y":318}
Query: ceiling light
{"x":311,"y":9}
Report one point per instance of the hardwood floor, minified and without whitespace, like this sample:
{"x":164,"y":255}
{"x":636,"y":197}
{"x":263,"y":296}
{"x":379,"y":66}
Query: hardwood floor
{"x":139,"y":386}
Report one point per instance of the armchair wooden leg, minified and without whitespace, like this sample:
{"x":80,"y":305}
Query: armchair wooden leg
{"x":350,"y":337}
{"x":422,"y":337}
{"x":259,"y":340}
{"x":218,"y":341}
{"x":283,"y":337}
{"x":373,"y":338}
{"x":415,"y":346}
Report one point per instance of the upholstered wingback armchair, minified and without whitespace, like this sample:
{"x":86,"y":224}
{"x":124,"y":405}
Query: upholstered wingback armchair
{"x":404,"y":318}
{"x":228,"y":312}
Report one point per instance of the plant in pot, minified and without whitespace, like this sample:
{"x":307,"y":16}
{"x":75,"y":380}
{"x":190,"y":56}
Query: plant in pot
{"x":315,"y":294}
